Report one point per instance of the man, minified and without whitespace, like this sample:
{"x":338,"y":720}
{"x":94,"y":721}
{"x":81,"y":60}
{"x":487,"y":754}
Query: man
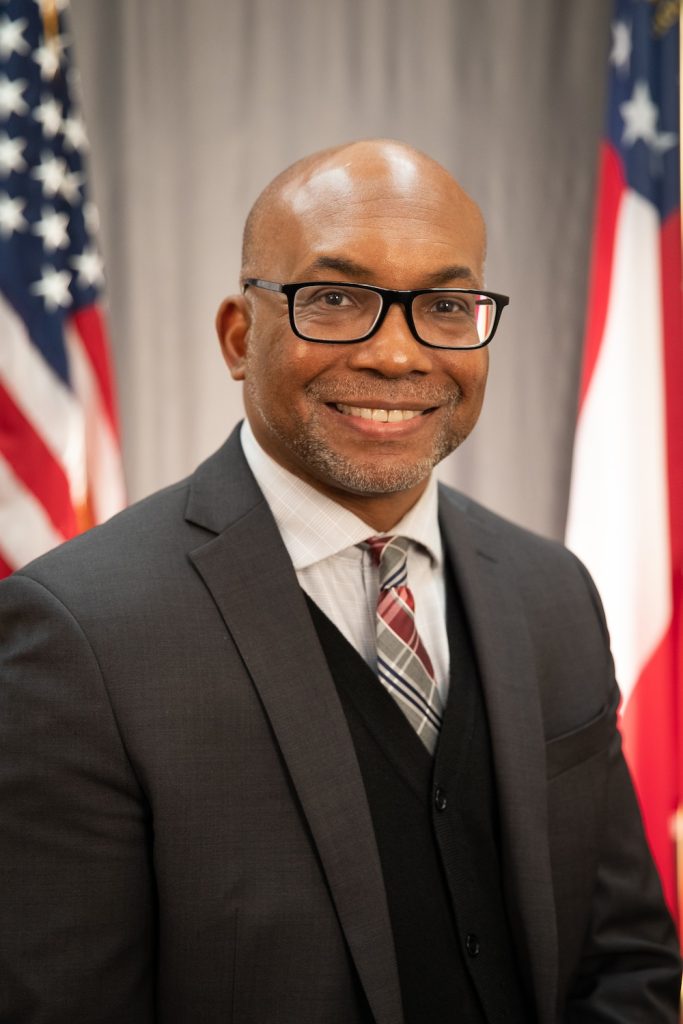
{"x":303,"y":738}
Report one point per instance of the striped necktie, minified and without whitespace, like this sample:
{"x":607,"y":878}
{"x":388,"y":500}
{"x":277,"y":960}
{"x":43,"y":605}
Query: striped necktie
{"x":403,"y":665}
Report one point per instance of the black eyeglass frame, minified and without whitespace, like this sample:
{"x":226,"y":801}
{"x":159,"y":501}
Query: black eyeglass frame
{"x":388,"y":296}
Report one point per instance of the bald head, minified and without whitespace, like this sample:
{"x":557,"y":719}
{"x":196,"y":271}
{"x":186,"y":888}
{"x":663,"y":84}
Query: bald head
{"x":349,"y":176}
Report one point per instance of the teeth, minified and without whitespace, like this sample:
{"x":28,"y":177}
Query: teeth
{"x":379,"y":415}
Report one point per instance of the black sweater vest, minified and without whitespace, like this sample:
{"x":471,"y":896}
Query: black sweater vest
{"x":435,"y":822}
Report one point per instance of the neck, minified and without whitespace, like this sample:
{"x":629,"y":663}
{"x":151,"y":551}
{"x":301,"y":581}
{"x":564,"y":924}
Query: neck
{"x":380,"y":511}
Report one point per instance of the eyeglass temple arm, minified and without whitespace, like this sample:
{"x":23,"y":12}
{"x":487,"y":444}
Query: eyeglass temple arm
{"x":258,"y":282}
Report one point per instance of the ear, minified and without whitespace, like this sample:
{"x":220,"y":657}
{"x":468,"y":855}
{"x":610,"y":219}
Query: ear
{"x":232,"y":325}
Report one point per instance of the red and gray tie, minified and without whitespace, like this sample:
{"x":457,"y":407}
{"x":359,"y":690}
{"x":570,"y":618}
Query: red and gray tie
{"x":403,"y":665}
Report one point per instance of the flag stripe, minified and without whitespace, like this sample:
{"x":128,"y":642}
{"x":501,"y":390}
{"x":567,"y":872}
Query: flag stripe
{"x":90,"y":326}
{"x":25,"y":528}
{"x":668,"y":784}
{"x":611,"y":189}
{"x":672,"y":308}
{"x":619,"y":452}
{"x":43,"y":398}
{"x":34,"y":464}
{"x":106,"y":492}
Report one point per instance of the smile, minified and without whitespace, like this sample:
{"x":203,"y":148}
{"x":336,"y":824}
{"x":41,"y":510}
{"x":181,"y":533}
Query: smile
{"x":379,"y":415}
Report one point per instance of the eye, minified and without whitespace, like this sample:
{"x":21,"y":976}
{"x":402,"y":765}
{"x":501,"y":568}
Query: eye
{"x":332,"y":298}
{"x":445,"y":306}
{"x":452,"y":305}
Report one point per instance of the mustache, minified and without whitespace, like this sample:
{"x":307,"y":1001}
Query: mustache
{"x":354,"y":390}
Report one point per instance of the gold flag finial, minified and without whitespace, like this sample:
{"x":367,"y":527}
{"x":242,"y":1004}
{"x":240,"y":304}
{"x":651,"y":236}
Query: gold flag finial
{"x":666,"y":13}
{"x":48,"y":9}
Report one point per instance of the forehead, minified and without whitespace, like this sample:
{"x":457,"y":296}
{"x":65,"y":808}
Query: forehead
{"x":398,"y":221}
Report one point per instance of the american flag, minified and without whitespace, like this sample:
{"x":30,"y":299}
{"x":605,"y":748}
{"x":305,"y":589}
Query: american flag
{"x":60,"y":465}
{"x":626,"y":506}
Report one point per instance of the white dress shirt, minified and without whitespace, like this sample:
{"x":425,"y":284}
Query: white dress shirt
{"x":322,"y":539}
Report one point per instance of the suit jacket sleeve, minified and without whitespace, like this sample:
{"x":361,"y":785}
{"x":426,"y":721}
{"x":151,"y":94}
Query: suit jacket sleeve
{"x":76,"y":920}
{"x":629,"y":968}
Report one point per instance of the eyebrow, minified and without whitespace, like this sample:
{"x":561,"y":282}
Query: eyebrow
{"x":350,"y":268}
{"x":453,"y":273}
{"x":339,"y":263}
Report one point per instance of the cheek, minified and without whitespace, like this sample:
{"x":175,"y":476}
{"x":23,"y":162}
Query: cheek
{"x":479,"y":374}
{"x":279,"y":369}
{"x":297,"y":364}
{"x":307,"y":360}
{"x":267,"y":363}
{"x":469,"y":370}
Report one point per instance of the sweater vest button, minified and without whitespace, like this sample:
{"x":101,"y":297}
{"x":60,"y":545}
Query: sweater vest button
{"x":440,"y":801}
{"x":472,"y":945}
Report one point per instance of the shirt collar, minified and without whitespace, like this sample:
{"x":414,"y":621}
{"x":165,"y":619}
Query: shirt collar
{"x":314,"y":527}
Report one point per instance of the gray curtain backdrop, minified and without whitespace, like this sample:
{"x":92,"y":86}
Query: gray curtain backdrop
{"x":193,"y":107}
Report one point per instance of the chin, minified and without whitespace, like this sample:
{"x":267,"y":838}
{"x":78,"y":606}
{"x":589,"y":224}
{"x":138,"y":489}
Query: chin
{"x":367,"y":478}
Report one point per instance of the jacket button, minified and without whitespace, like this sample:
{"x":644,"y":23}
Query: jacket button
{"x":440,"y":801}
{"x":472,"y":945}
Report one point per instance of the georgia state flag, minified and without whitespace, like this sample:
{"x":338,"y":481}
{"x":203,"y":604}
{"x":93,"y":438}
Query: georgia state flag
{"x":626,"y":503}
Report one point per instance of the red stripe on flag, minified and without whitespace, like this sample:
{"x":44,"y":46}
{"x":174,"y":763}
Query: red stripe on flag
{"x":649,"y":730}
{"x":610,"y":190}
{"x":672,"y":309}
{"x":650,"y":720}
{"x":5,"y":568}
{"x":34,"y":464}
{"x":91,"y":330}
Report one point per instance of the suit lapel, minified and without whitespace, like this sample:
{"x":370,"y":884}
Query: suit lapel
{"x":249,"y":574}
{"x":503,"y":649}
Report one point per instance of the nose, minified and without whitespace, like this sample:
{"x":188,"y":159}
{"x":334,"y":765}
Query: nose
{"x":392,"y":351}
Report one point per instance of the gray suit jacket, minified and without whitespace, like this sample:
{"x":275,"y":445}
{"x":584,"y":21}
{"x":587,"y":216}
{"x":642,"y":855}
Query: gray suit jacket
{"x":185,"y":835}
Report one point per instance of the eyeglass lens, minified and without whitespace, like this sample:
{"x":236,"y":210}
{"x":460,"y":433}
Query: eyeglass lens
{"x":345,"y":313}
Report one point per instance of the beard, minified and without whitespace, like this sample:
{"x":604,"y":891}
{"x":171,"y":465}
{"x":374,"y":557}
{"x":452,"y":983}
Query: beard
{"x":368,"y":478}
{"x":387,"y":472}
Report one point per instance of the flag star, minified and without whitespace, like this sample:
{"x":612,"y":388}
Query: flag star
{"x":622,"y":45}
{"x":10,"y":154}
{"x":89,"y":267}
{"x":74,"y":133}
{"x":49,"y":56}
{"x":51,"y":173}
{"x":664,"y":141}
{"x":52,"y":228}
{"x":53,"y":287}
{"x":12,"y":36}
{"x":11,"y":99}
{"x":11,"y":215}
{"x":640,"y":116}
{"x":70,"y":186}
{"x":49,"y":114}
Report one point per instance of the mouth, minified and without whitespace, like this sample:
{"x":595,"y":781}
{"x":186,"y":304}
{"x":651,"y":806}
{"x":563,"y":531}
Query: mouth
{"x":379,"y":415}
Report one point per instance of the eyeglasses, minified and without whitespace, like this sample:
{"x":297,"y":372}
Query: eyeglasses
{"x":339,"y":313}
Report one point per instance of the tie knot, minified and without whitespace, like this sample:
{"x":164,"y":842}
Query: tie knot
{"x":390,"y":554}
